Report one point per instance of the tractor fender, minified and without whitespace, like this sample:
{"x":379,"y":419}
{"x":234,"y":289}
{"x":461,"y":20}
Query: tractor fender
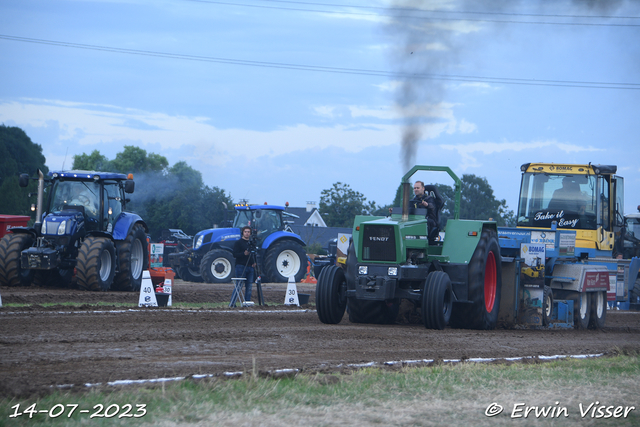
{"x":25,"y":230}
{"x":125,"y":223}
{"x":281,"y":235}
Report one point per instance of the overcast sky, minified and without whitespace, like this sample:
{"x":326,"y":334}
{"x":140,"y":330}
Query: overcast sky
{"x":274,"y":101}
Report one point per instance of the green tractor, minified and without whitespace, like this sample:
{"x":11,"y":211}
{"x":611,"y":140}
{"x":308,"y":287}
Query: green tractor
{"x":454,"y":281}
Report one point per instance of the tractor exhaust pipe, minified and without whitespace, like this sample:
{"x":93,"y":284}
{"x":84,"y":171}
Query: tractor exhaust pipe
{"x":38,"y":222}
{"x":406,"y":195}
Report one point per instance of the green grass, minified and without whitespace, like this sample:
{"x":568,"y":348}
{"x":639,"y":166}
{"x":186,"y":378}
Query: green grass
{"x":445,"y":394}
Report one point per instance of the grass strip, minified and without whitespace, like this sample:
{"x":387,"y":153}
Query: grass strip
{"x":560,"y":392}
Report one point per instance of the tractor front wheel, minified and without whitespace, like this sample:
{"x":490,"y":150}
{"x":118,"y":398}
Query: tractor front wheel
{"x":285,"y":259}
{"x":437,"y":300}
{"x":331,"y":299}
{"x":133,"y":259}
{"x":96,"y":264}
{"x":217,"y":266}
{"x":11,"y":272}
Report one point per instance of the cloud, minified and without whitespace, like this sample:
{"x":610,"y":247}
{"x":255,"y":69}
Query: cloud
{"x":469,"y":152}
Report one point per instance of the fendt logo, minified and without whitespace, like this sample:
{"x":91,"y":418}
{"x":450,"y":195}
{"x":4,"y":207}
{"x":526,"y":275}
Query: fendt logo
{"x":378,"y":239}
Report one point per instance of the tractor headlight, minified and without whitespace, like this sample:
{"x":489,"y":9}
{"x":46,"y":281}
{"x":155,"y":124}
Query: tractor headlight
{"x":363,"y":270}
{"x":198,"y":242}
{"x":392,"y":271}
{"x":62,"y":228}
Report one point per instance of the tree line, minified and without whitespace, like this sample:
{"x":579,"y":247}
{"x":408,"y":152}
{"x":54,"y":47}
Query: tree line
{"x":176,"y":196}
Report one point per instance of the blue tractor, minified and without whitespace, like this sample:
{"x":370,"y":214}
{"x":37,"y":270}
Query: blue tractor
{"x":280,"y":252}
{"x":81,"y":226}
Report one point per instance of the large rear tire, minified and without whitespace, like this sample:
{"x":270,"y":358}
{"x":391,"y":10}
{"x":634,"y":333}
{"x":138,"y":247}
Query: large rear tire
{"x":96,"y":264}
{"x":485,"y":286}
{"x":133,"y":259}
{"x":598,"y":313}
{"x":437,"y":300}
{"x":331,"y":295}
{"x":11,"y":272}
{"x":285,"y":259}
{"x":217,"y":266}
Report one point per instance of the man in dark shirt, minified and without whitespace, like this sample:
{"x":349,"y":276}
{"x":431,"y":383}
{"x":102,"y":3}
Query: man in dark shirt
{"x":245,"y":262}
{"x":421,"y":199}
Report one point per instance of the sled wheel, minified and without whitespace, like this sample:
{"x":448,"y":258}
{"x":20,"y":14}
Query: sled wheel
{"x":582,"y":311}
{"x":437,"y":300}
{"x":547,"y":306}
{"x":331,"y":298}
{"x":598,"y":313}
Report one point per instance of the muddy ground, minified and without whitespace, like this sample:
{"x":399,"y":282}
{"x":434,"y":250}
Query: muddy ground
{"x":43,"y":348}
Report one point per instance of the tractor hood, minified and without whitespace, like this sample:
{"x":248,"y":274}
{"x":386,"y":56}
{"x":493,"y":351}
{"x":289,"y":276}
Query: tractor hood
{"x":215,"y":235}
{"x":63,"y":223}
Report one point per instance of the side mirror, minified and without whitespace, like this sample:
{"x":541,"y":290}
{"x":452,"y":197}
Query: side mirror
{"x":23,"y":180}
{"x":129,"y":186}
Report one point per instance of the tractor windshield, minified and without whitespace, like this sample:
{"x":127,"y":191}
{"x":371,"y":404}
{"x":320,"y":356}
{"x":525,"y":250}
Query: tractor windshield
{"x":570,"y":200}
{"x":79,"y":195}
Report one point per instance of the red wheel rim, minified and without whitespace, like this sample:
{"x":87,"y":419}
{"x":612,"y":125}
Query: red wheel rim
{"x":490,"y":282}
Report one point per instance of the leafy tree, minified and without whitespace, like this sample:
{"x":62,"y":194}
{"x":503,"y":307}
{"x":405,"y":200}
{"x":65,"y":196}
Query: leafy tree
{"x":92,"y":162}
{"x":340,"y":204}
{"x":18,"y":154}
{"x":478,"y":202}
{"x":136,"y":160}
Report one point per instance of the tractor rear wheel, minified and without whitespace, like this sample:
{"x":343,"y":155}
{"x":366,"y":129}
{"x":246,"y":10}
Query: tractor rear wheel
{"x":285,"y":259}
{"x":598,"y":309}
{"x":96,"y":264}
{"x":437,"y":300}
{"x":217,"y":266}
{"x":133,"y":259}
{"x":11,"y":272}
{"x":331,"y":299}
{"x":380,"y":312}
{"x":485,"y":285}
{"x":582,"y":311}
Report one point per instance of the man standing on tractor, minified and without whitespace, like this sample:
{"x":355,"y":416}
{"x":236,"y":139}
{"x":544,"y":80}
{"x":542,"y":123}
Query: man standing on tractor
{"x":422,"y":199}
{"x":244,"y":253}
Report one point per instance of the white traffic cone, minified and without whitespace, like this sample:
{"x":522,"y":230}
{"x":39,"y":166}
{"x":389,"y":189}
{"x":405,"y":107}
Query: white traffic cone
{"x":291,"y":297}
{"x":167,"y":290}
{"x":147,"y":292}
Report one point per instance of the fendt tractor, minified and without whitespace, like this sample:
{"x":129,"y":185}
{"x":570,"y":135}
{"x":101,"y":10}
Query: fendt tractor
{"x":81,"y":225}
{"x":280,"y":252}
{"x":456,"y":280}
{"x":555,"y":269}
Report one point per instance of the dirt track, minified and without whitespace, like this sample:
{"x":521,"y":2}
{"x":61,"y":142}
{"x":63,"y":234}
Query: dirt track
{"x":41,"y":347}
